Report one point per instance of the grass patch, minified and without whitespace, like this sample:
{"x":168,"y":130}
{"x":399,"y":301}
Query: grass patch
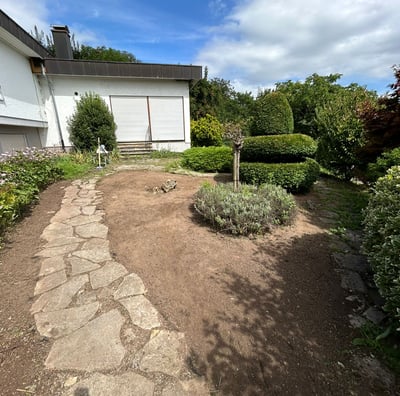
{"x":76,"y":165}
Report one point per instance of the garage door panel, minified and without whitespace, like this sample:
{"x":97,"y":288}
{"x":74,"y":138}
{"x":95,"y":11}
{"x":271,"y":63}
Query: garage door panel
{"x":131,"y":117}
{"x":167,"y":121}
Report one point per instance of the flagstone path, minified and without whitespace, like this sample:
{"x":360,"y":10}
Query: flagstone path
{"x":106,"y":335}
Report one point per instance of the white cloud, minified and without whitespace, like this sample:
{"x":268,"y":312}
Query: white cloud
{"x":27,"y":13}
{"x":265,"y":41}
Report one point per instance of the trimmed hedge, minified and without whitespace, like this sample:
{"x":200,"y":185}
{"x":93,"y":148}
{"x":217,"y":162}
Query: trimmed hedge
{"x":206,"y":131}
{"x":278,"y":148}
{"x":294,"y":177}
{"x":208,"y":159}
{"x":382,"y":238}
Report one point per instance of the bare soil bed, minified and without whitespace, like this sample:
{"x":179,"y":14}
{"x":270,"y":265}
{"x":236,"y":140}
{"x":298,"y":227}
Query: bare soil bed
{"x":261,"y":317}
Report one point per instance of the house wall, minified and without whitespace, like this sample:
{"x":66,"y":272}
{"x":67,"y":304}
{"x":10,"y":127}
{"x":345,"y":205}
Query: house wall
{"x":21,"y":110}
{"x":67,"y":91}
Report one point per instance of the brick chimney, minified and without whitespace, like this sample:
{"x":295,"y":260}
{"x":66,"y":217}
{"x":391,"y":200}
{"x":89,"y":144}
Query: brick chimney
{"x":62,"y":41}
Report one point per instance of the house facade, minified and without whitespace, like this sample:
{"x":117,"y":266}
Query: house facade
{"x":38,"y":94}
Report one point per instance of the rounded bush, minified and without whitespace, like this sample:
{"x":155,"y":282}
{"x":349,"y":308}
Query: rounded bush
{"x":91,"y":120}
{"x":382,"y":238}
{"x":251,"y":210}
{"x":206,"y":131}
{"x":382,"y":164}
{"x":278,"y":148}
{"x":273,"y":115}
{"x":208,"y":159}
{"x":294,"y":177}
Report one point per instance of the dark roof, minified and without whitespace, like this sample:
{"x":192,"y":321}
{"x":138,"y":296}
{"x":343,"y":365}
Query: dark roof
{"x":24,"y":37}
{"x":122,"y":69}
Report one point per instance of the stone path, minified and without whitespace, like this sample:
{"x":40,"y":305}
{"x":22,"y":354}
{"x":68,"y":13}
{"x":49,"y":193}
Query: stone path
{"x":106,"y":335}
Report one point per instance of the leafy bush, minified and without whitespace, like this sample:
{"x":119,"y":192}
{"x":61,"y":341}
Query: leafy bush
{"x":251,"y":210}
{"x":294,"y":177}
{"x":22,"y":175}
{"x":208,"y":159}
{"x":273,"y":115}
{"x":382,"y":164}
{"x":91,"y":120}
{"x":278,"y":148}
{"x":382,"y":238}
{"x":206,"y":131}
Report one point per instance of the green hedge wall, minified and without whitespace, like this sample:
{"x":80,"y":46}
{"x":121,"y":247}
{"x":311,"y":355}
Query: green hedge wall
{"x":294,"y":177}
{"x":278,"y":148}
{"x":208,"y":159}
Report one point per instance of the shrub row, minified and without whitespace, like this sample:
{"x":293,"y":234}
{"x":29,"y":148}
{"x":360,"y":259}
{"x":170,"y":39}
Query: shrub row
{"x":208,"y":159}
{"x":294,"y":177}
{"x":278,"y":148}
{"x":22,"y":175}
{"x":382,"y":164}
{"x":382,"y":238}
{"x":251,"y":210}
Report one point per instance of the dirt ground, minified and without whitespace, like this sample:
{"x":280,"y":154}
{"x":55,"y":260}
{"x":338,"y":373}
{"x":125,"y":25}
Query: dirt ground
{"x":261,"y":317}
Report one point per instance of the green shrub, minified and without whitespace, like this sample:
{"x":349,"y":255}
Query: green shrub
{"x":294,"y":177}
{"x":206,"y":131}
{"x":382,"y":164}
{"x":22,"y":175}
{"x":273,"y":115}
{"x":278,"y":148}
{"x":251,"y":210}
{"x":91,"y":120}
{"x":208,"y":159}
{"x":382,"y":238}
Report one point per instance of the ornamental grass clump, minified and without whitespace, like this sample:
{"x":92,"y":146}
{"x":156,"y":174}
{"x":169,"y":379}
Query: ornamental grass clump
{"x":250,"y":210}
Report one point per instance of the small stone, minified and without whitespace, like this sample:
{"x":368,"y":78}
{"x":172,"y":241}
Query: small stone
{"x":70,"y":382}
{"x":375,"y":315}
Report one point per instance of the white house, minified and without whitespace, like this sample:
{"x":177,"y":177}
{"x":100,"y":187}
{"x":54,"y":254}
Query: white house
{"x":38,"y":93}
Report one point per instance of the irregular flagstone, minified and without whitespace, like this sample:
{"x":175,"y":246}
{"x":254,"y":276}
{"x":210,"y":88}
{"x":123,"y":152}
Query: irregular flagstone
{"x":82,"y":201}
{"x":50,"y":282}
{"x":110,"y":272}
{"x":58,"y":250}
{"x":56,"y":230}
{"x":95,"y":255}
{"x":61,"y":240}
{"x":96,"y":346}
{"x":353,"y":262}
{"x":52,"y":264}
{"x":141,"y":312}
{"x":165,"y":352}
{"x":88,"y":210}
{"x":65,"y":213}
{"x":82,"y":219}
{"x":352,"y":281}
{"x":61,"y":323}
{"x":92,"y":230}
{"x":128,"y":384}
{"x":96,"y":243}
{"x":132,"y":285}
{"x":61,"y":297}
{"x":80,"y":265}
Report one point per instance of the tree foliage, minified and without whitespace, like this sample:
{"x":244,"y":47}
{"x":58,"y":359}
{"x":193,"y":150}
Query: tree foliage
{"x":272,"y":115}
{"x":341,"y":132}
{"x":206,"y":131}
{"x":92,"y":120}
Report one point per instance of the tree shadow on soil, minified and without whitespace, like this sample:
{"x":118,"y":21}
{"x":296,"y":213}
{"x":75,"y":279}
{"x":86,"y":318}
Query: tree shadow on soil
{"x":291,"y":325}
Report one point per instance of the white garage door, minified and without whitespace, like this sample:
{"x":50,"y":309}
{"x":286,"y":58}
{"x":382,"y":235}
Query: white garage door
{"x":166,"y":114}
{"x":153,"y":118}
{"x":131,"y":117}
{"x":10,"y":142}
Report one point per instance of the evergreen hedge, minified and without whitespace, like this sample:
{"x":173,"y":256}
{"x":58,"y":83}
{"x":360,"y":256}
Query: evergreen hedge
{"x":294,"y":177}
{"x":208,"y":159}
{"x":278,"y":148}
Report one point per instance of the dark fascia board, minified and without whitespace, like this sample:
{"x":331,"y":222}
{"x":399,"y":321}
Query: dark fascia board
{"x":122,"y":69}
{"x":20,"y":34}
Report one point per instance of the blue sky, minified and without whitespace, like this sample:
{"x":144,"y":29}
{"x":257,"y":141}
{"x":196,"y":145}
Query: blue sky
{"x":252,"y":43}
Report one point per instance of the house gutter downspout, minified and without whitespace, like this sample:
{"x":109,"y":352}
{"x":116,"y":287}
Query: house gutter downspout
{"x":55,"y":107}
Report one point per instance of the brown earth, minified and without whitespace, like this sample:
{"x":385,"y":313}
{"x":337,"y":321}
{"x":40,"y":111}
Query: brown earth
{"x":261,"y":317}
